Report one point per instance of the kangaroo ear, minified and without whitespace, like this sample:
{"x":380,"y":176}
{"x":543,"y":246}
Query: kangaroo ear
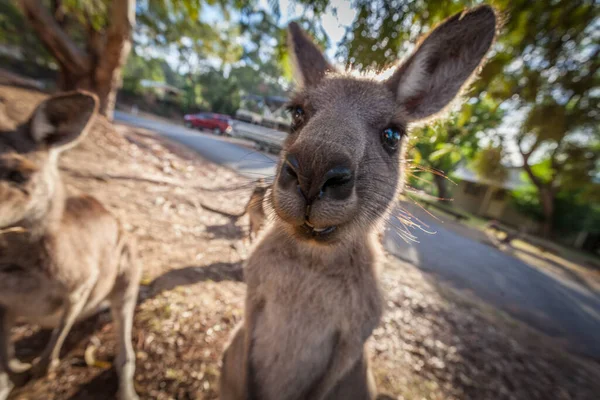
{"x":61,"y":120}
{"x":308,"y":62}
{"x":444,"y":62}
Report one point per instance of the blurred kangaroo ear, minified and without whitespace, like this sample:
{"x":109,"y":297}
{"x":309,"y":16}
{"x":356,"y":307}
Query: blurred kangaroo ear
{"x":444,"y":62}
{"x":59,"y":121}
{"x":308,"y":61}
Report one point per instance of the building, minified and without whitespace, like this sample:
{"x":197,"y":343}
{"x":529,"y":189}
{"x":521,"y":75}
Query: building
{"x":491,"y":199}
{"x":160,"y":89}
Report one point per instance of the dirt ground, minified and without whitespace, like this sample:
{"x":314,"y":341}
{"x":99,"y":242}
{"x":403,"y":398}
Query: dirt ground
{"x":432,"y":343}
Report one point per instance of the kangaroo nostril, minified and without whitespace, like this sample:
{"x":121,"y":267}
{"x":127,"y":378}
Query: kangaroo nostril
{"x":292,"y":162}
{"x":291,"y":166}
{"x":338,"y":183}
{"x":290,"y":171}
{"x":337,"y":176}
{"x":288,"y":176}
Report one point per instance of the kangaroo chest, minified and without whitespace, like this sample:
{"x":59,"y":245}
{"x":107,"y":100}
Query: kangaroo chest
{"x":296,"y":330}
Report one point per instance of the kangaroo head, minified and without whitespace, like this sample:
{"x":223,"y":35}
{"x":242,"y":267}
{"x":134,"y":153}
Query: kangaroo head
{"x":28,"y":155}
{"x":341,"y":167}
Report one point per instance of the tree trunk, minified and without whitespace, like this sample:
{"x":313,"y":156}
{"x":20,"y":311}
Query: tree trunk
{"x":547,"y":200}
{"x":106,"y":88}
{"x":440,"y":183}
{"x":546,"y":195}
{"x":99,"y":68}
{"x":115,"y":52}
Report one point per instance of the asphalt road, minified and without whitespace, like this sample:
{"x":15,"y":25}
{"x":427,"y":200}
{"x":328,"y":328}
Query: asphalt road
{"x":555,"y":305}
{"x":248,"y":162}
{"x":558,"y":307}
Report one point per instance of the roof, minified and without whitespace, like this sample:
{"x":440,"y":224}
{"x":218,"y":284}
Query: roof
{"x":514,"y":178}
{"x":159,"y":85}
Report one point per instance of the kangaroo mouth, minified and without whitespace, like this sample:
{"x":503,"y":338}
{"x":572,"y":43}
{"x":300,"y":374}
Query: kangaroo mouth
{"x":319,"y":233}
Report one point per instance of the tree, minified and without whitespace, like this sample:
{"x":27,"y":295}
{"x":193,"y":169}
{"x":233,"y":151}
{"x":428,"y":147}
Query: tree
{"x":138,"y":69}
{"x":16,"y":37}
{"x":104,"y":30}
{"x":219,"y":94}
{"x":90,"y":40}
{"x":487,"y":163}
{"x":385,"y":30}
{"x":547,"y":66}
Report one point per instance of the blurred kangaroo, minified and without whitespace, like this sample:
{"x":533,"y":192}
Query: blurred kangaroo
{"x":313,"y":297}
{"x":61,"y":256}
{"x":256,"y":209}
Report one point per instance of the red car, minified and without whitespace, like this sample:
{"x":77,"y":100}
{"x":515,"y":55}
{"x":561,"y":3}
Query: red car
{"x":219,"y":124}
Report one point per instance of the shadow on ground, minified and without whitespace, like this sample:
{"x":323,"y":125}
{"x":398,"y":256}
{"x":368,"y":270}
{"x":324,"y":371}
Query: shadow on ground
{"x":562,"y":269}
{"x":228,"y":231}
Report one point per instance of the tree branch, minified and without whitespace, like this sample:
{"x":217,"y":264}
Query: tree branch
{"x":95,"y":41}
{"x":58,"y":13}
{"x":122,"y":22}
{"x":54,"y":38}
{"x":553,"y":161}
{"x":526,"y":154}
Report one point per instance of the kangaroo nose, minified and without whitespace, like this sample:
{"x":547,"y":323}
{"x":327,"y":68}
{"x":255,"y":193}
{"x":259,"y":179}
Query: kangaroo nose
{"x":337,"y":183}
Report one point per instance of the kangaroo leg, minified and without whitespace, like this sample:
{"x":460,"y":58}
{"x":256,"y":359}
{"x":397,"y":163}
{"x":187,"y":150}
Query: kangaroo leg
{"x":251,"y":233}
{"x":232,"y":383}
{"x":347,"y":353}
{"x":358,"y":384}
{"x":237,"y":377}
{"x":123,"y":302}
{"x":73,"y":307}
{"x":7,"y":351}
{"x":6,"y":384}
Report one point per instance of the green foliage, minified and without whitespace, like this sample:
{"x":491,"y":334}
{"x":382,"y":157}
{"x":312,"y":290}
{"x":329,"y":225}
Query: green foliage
{"x":573,"y":212}
{"x":527,"y":201}
{"x":384,"y":29}
{"x":261,"y":70}
{"x":219,"y":94}
{"x":550,"y":60}
{"x":269,"y":57}
{"x":487,"y":163}
{"x":16,"y":35}
{"x":138,"y":69}
{"x":445,"y":144}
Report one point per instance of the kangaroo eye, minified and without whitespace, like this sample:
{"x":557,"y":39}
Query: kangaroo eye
{"x":298,"y":115}
{"x":298,"y":112}
{"x":16,"y":177}
{"x":390,"y":137}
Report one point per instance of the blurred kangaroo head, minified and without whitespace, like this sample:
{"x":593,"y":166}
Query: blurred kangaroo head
{"x":341,"y":166}
{"x":28,"y":155}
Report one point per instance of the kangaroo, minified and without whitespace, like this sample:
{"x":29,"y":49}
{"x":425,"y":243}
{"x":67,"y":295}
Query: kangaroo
{"x":61,"y":256}
{"x":313,"y":297}
{"x":256,"y":209}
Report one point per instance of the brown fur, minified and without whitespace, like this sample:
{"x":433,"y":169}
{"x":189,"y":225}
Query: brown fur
{"x":61,"y":256}
{"x":313,"y":296}
{"x":256,"y":209}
